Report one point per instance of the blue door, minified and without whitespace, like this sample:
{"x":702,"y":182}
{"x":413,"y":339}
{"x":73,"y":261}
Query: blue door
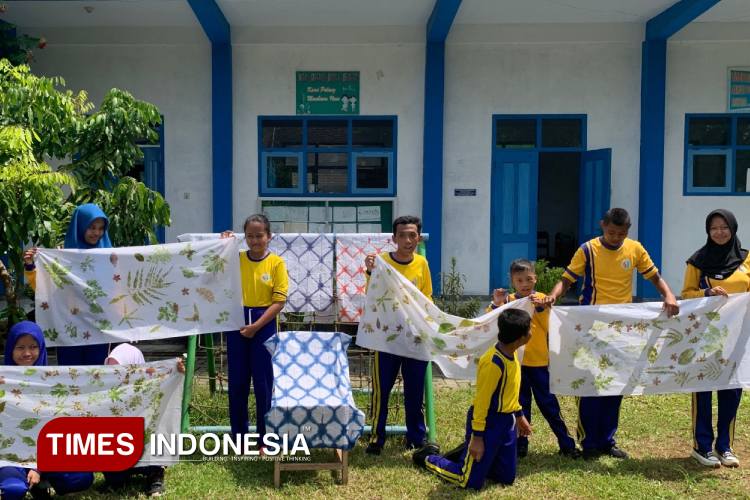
{"x":515,"y":176}
{"x":594,"y":192}
{"x":153,"y":176}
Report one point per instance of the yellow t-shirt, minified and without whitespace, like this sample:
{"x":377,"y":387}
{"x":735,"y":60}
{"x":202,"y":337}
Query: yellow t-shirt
{"x":608,"y":272}
{"x":30,"y":278}
{"x":417,"y":271}
{"x":498,"y":385}
{"x":696,"y":284}
{"x":536,"y":352}
{"x":264,"y":281}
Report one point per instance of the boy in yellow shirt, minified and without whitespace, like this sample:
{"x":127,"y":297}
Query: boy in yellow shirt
{"x":535,"y":363}
{"x":495,"y":418}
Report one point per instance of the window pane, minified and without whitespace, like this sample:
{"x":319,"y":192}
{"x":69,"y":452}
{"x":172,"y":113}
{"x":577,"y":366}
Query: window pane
{"x":283,"y":172}
{"x":561,"y":133}
{"x":282,"y":133}
{"x":327,"y":172}
{"x":742,"y":165}
{"x":743,"y":131}
{"x":326,"y":133}
{"x":709,"y":171}
{"x":372,"y":133}
{"x":372,"y":172}
{"x":709,"y":131}
{"x":516,"y":134}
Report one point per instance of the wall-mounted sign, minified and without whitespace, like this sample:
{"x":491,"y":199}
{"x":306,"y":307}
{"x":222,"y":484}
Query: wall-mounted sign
{"x":327,"y":93}
{"x":739,"y":89}
{"x":464,"y":192}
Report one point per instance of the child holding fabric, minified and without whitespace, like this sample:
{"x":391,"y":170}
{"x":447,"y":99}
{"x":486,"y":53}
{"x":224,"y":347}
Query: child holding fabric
{"x":26,"y":347}
{"x":87,"y":229}
{"x":264,"y":290}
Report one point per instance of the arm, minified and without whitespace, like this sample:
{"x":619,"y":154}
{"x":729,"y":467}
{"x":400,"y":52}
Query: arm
{"x":560,"y":289}
{"x":272,"y":311}
{"x":691,"y":288}
{"x":29,"y":268}
{"x":570,"y":276}
{"x":670,"y":302}
{"x":427,"y":288}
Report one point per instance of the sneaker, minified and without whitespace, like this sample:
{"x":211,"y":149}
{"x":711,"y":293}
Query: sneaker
{"x":573,"y":453}
{"x":415,"y":446}
{"x":155,"y":482}
{"x":522,"y":450}
{"x":454,"y":455}
{"x":707,"y":458}
{"x":615,"y":452}
{"x":373,"y":449}
{"x":728,"y":458}
{"x":420,"y":456}
{"x":591,"y":453}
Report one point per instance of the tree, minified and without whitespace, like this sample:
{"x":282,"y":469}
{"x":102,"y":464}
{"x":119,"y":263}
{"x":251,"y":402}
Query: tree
{"x":40,"y":120}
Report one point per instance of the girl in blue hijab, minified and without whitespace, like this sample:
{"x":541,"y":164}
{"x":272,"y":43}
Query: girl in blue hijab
{"x":26,"y":347}
{"x":87,"y":229}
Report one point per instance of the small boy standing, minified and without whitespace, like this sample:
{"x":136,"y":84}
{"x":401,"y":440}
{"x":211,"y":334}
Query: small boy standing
{"x":535,"y":363}
{"x":606,"y":265}
{"x":407,"y":231}
{"x":495,"y":418}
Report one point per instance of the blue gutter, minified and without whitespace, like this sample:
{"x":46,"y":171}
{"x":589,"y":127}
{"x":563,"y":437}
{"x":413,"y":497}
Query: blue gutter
{"x":438,"y":27}
{"x":217,"y":30}
{"x":653,"y":98}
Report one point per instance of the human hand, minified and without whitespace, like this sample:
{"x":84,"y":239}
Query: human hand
{"x":476,"y":448}
{"x":28,"y":255}
{"x":499,"y":296}
{"x":370,"y":262}
{"x":524,"y":427}
{"x":670,"y":306}
{"x":33,"y":477}
{"x":717,"y":290}
{"x":249,"y":331}
{"x":227,"y":234}
{"x":181,"y":365}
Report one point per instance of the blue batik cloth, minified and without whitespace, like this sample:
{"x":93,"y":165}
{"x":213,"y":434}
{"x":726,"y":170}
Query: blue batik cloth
{"x":312,"y":394}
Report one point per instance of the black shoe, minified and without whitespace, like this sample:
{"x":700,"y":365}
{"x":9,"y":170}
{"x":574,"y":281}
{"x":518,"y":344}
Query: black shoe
{"x":155,"y":481}
{"x":373,"y":449}
{"x":573,"y":453}
{"x":615,"y":452}
{"x":454,"y":455}
{"x":415,"y":446}
{"x":522,"y":450}
{"x":591,"y":453}
{"x":420,"y":456}
{"x":40,"y":493}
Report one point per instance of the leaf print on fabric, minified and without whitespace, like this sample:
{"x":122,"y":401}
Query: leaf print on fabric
{"x":87,"y":264}
{"x":446,"y":328}
{"x":50,"y":334}
{"x":160,"y":256}
{"x":169,"y":312}
{"x":93,"y":291}
{"x":195,"y":316}
{"x":28,"y":423}
{"x":143,"y":288}
{"x":188,"y":272}
{"x":207,"y":294}
{"x":188,"y":252}
{"x":57,"y":273}
{"x":214,"y":263}
{"x":223,"y":317}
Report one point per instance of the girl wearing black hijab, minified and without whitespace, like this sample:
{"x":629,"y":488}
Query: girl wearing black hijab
{"x":719,"y":267}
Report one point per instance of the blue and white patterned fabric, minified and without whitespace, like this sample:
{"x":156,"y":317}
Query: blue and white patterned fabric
{"x":312,"y":394}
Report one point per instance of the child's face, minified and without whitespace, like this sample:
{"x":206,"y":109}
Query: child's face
{"x":614,"y":235}
{"x":406,"y":238}
{"x":523,"y":282}
{"x":256,"y":237}
{"x":26,"y":351}
{"x":94,"y":232}
{"x":719,"y":230}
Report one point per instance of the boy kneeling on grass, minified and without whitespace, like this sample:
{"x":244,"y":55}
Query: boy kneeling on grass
{"x":495,"y":419}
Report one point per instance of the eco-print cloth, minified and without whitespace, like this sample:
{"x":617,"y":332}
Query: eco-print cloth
{"x":399,"y":319}
{"x":134,"y":293}
{"x":31,"y":396}
{"x":309,"y":263}
{"x":351,"y":250}
{"x":635,"y":349}
{"x":312,"y":394}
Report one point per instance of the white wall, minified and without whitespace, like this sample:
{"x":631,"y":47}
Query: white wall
{"x":169,"y":67}
{"x":391,"y":83}
{"x":592,"y":70}
{"x":697,"y":62}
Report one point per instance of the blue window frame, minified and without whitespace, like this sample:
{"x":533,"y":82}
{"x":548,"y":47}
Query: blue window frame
{"x":327,"y":156}
{"x":548,"y":133}
{"x":717,"y":154}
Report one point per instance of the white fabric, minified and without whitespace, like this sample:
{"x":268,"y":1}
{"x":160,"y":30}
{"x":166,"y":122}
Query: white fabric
{"x":126,"y":354}
{"x":135,"y":293}
{"x":31,"y":396}
{"x":399,"y":319}
{"x":635,"y":349}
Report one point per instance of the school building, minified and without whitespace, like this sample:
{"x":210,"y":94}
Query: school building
{"x":509,"y":126}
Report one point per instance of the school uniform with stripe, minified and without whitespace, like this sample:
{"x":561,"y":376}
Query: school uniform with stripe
{"x":607,"y":274}
{"x":697,"y":284}
{"x":386,"y":367}
{"x":535,"y":377}
{"x":493,"y":417}
{"x":264,"y":282}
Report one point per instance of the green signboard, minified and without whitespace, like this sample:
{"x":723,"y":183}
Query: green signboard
{"x":328,"y":93}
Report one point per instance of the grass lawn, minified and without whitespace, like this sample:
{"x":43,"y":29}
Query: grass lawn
{"x":654,"y":430}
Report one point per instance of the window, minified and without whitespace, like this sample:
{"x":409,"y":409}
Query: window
{"x":717,"y":154}
{"x":560,"y":133}
{"x":327,"y":156}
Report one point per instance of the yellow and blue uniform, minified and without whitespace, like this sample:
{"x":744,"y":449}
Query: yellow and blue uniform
{"x":492,"y":417}
{"x":697,"y":284}
{"x":607,"y":274}
{"x":535,"y":377}
{"x":264,"y":282}
{"x":387,"y":366}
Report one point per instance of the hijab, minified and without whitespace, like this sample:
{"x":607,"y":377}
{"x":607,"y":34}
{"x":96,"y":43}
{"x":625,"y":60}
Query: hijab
{"x":719,"y":261}
{"x":127,"y":354}
{"x":19,"y":330}
{"x":83,"y":216}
